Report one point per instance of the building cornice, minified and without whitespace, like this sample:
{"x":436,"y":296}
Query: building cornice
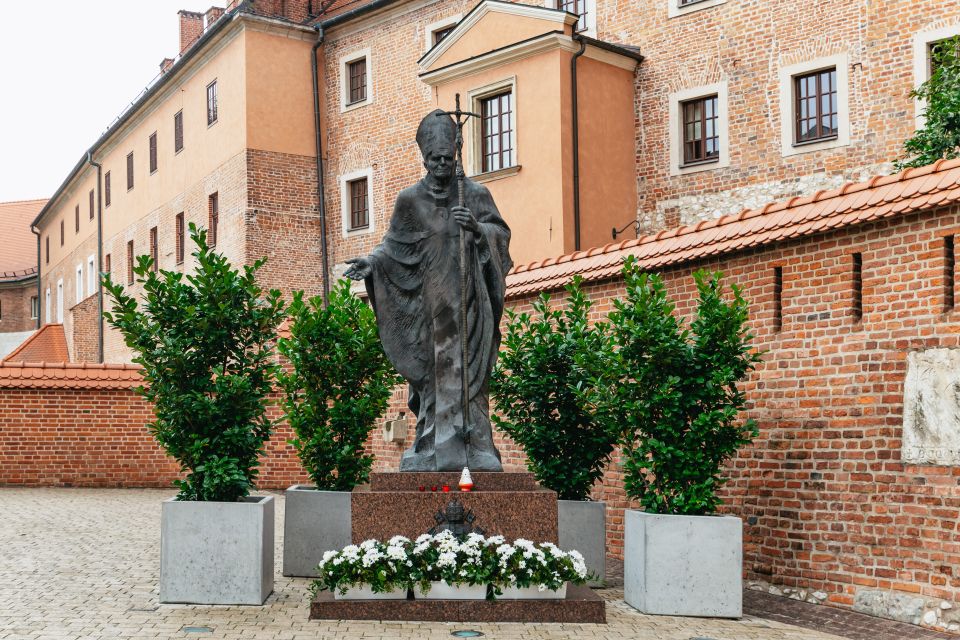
{"x":338,"y":27}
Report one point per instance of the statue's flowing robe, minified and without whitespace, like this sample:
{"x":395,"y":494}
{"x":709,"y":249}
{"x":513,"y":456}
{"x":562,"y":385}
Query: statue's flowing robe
{"x":415,"y":291}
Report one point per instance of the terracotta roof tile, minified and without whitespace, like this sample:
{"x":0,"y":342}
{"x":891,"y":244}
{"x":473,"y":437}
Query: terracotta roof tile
{"x":18,"y":246}
{"x":59,"y":375}
{"x":853,"y":203}
{"x":48,"y":344}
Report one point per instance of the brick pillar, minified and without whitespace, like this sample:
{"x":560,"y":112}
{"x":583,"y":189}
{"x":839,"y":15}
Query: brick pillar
{"x":212,"y":14}
{"x":191,"y":27}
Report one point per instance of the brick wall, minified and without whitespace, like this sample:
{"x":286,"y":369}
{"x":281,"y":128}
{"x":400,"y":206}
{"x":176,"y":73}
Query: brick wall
{"x":15,"y":306}
{"x":85,"y":330}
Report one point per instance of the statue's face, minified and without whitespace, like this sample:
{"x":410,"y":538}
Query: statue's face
{"x":439,"y":163}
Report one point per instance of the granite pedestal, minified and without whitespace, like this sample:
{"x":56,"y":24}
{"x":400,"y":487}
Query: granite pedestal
{"x":509,"y":504}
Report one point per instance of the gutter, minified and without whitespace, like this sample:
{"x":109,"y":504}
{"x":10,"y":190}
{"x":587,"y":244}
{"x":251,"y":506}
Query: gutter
{"x":36,"y":232}
{"x":576,"y":140}
{"x":321,"y":205}
{"x":99,"y":257}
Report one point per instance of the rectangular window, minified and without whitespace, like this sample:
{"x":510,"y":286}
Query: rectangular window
{"x":579,"y":8}
{"x":440,"y":34}
{"x":701,"y":139}
{"x":91,"y":275}
{"x":79,"y":283}
{"x":178,"y":132}
{"x":91,"y":204}
{"x":48,"y":250}
{"x":34,"y":307}
{"x":153,"y":152}
{"x":153,"y":248}
{"x":496,"y":132}
{"x":857,"y":287}
{"x":949,"y":273}
{"x":777,"y":298}
{"x":61,"y":230}
{"x":359,"y":205}
{"x":76,"y":219}
{"x":106,"y":263}
{"x":130,"y":262}
{"x":213,"y":212}
{"x":130,"y":171}
{"x":179,"y":238}
{"x":211,"y":103}
{"x":357,"y":72}
{"x":106,"y":189}
{"x":815,"y":96}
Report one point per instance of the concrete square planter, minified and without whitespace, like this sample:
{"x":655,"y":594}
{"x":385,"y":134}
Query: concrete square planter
{"x":683,"y":565}
{"x":582,"y":525}
{"x":442,"y":590}
{"x":217,"y":552}
{"x":313,"y":522}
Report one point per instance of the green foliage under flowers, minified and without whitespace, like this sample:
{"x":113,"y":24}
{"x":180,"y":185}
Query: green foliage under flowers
{"x":678,"y":396}
{"x":940,"y":135}
{"x":545,"y":386}
{"x":205,"y":348}
{"x":400,"y":564}
{"x":339,"y":385}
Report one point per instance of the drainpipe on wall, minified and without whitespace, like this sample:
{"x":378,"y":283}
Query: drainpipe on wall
{"x":576,"y":141}
{"x":36,"y":232}
{"x":99,"y":259}
{"x":320,"y":201}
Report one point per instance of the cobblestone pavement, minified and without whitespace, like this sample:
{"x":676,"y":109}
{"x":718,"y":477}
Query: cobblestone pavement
{"x":84,"y":563}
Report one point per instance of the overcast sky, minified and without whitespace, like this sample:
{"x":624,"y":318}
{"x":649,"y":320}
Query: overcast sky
{"x":67,"y":70}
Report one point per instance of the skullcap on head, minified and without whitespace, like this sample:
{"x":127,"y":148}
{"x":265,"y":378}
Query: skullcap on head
{"x":435,"y":129}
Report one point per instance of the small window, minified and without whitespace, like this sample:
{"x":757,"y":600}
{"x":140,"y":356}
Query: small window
{"x":949,"y":273}
{"x":79,"y":283}
{"x":777,"y":298}
{"x":153,"y":249}
{"x":701,"y":139}
{"x":91,"y":275}
{"x":153,"y":152}
{"x":357,"y":73}
{"x":211,"y":103}
{"x":442,"y":33}
{"x":130,"y":262}
{"x":130,"y":171}
{"x":106,"y":263}
{"x":34,"y":307}
{"x":61,"y":230}
{"x":178,"y":132}
{"x":496,"y":132}
{"x":48,"y":250}
{"x":91,"y":203}
{"x":179,"y":238}
{"x":213,"y":212}
{"x":106,"y":189}
{"x":816,"y":106}
{"x":359,"y":204}
{"x":76,"y":219}
{"x":857,"y":302}
{"x":578,"y":8}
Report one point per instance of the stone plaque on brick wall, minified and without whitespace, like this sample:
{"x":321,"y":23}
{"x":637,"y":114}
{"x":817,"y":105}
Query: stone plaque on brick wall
{"x":931,"y":407}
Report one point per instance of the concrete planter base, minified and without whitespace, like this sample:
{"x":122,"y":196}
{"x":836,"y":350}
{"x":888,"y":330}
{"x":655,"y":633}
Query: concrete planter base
{"x":683,"y":565}
{"x":314,"y":521}
{"x":442,"y":590}
{"x":532,"y":593}
{"x":217,"y":552}
{"x":582,"y":525}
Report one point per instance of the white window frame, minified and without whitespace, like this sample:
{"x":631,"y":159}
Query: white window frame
{"x":591,"y":30}
{"x":436,"y":26}
{"x":345,"y":181}
{"x":60,"y":301}
{"x":675,"y":122}
{"x":79,"y":283}
{"x":674,"y":10}
{"x":345,"y":80}
{"x":474,"y":137}
{"x":921,"y":62}
{"x":34,"y":307}
{"x":91,"y":274}
{"x":48,"y":307}
{"x":787,"y":104}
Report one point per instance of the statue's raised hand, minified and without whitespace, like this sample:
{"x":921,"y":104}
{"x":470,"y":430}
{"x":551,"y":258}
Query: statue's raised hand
{"x":360,"y":268}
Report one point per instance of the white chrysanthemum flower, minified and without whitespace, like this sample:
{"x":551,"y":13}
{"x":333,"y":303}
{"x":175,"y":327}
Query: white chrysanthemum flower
{"x":424,"y":537}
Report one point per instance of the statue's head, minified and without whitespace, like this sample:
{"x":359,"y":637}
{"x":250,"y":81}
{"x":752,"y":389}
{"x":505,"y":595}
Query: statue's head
{"x":437,"y":139}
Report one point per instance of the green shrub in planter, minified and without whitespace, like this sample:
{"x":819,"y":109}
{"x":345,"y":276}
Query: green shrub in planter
{"x":678,"y":394}
{"x":204,"y":342}
{"x":339,"y":385}
{"x":550,"y":367}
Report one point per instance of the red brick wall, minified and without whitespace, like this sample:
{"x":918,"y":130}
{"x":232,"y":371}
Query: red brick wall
{"x":15,"y":306}
{"x":86,"y":331}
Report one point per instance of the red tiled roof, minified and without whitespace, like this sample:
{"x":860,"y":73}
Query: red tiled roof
{"x":48,"y":344}
{"x":68,"y":375}
{"x":18,"y":246}
{"x":909,"y":191}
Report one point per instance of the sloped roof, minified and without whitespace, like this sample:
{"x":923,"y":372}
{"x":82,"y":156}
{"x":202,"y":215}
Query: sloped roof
{"x":18,"y":246}
{"x":909,"y":191}
{"x":48,"y":344}
{"x":70,"y":375}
